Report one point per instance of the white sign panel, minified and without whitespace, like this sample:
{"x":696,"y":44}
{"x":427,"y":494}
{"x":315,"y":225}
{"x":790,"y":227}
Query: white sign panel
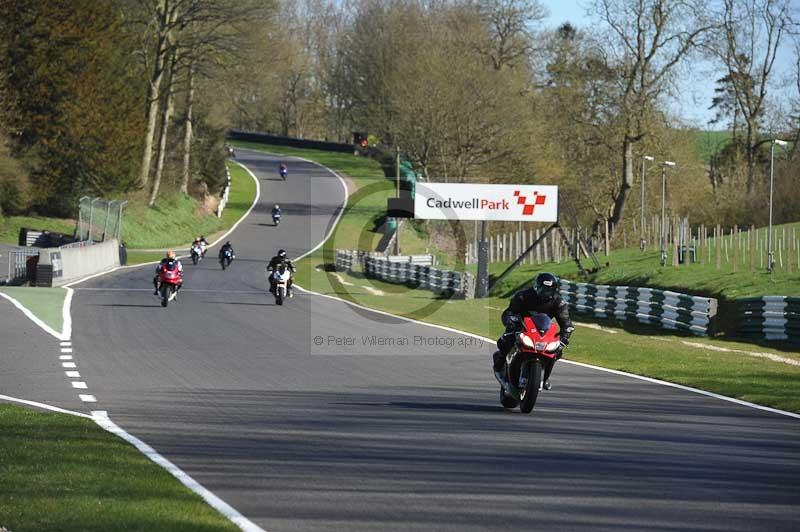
{"x":448,"y":201}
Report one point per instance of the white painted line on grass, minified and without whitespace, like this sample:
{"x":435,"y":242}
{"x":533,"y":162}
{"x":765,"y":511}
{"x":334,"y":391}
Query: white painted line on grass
{"x":31,"y":316}
{"x":87,"y":398}
{"x":65,"y":357}
{"x":756,"y":354}
{"x":102,"y":419}
{"x":73,"y":374}
{"x":80,"y":385}
{"x":68,"y":364}
{"x":42,"y":406}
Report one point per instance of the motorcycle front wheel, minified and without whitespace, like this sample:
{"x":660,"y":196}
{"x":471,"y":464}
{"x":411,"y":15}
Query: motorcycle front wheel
{"x":533,"y":371}
{"x":194,"y":258}
{"x":165,"y":293}
{"x":280,"y":295}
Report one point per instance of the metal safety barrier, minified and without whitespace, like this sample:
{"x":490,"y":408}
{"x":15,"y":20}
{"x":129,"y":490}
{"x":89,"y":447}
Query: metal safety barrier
{"x":770,"y":318}
{"x":667,"y":309}
{"x":415,"y":271}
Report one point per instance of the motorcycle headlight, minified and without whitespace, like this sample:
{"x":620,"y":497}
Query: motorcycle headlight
{"x":526,"y":340}
{"x":553,"y":346}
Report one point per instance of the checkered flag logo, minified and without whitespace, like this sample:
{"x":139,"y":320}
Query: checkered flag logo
{"x":528,"y":207}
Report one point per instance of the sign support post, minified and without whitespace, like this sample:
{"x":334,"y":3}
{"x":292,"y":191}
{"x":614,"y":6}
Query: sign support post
{"x":482,"y":284}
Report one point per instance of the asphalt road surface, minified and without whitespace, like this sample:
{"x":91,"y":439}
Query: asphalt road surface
{"x":299,"y":433}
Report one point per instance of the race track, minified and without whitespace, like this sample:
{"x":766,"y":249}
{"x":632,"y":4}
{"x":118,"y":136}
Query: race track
{"x":299,"y":436}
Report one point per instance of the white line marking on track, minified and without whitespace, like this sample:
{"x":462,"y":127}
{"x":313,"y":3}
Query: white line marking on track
{"x":102,"y":419}
{"x":66,"y":350}
{"x":73,"y":374}
{"x":616,"y":372}
{"x":87,"y":398}
{"x":80,"y":385}
{"x":66,"y":315}
{"x":65,"y":357}
{"x":65,"y":344}
{"x":43,"y":406}
{"x":68,"y":364}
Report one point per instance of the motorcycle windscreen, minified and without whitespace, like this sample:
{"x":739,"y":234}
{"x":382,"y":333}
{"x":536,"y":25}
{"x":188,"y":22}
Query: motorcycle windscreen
{"x":542,"y":322}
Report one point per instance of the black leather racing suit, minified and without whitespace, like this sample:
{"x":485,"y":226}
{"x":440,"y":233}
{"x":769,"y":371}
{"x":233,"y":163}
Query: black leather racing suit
{"x":523,"y":302}
{"x":273,"y":265}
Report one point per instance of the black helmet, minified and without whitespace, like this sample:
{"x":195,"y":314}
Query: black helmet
{"x":546,"y":285}
{"x":282,"y":253}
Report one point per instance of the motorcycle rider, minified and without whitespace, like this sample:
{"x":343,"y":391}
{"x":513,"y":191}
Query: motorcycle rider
{"x":202,"y":243}
{"x":283,"y":170}
{"x":274,"y":263}
{"x":544,"y":298}
{"x":276,"y":212}
{"x":170,"y":258}
{"x":226,"y":247}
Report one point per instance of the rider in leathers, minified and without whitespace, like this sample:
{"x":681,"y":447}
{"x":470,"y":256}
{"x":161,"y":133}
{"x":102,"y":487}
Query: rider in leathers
{"x":544,"y":298}
{"x":273,"y":265}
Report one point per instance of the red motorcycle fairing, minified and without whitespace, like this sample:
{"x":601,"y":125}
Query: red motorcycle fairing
{"x":543,"y":333}
{"x":170,"y":274}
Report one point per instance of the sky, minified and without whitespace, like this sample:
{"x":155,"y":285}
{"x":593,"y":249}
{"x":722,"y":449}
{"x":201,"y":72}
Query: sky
{"x":696,"y":87}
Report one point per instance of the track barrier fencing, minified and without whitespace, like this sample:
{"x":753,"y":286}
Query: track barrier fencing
{"x":667,"y":309}
{"x":416,"y":271}
{"x":770,"y":318}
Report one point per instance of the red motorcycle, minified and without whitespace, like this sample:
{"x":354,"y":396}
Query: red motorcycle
{"x":170,"y":278}
{"x":536,"y":345}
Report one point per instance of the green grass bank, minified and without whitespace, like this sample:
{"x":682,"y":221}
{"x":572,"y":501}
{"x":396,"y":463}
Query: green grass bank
{"x":65,"y":473}
{"x":173,"y":221}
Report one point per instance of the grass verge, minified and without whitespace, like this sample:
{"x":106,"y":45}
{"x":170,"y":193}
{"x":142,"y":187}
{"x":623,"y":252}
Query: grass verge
{"x":60,"y":472}
{"x":634,"y":268}
{"x":45,"y":303}
{"x":728,"y":368}
{"x":173,"y":221}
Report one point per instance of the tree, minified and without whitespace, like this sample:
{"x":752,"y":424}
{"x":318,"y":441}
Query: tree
{"x":747,"y":43}
{"x":647,"y":40}
{"x":70,"y":99}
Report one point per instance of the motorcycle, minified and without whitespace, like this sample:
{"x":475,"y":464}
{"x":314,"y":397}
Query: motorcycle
{"x":197,"y":253}
{"x":276,"y":218}
{"x":283,"y":171}
{"x":169,"y":279}
{"x":536,"y":345}
{"x":226,"y":258}
{"x":281,"y":278}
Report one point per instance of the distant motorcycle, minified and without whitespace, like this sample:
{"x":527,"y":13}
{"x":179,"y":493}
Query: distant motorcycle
{"x":281,"y":278}
{"x":537,"y":343}
{"x":169,"y":279}
{"x":276,"y":218}
{"x":226,"y":258}
{"x":197,"y":253}
{"x":283,"y":171}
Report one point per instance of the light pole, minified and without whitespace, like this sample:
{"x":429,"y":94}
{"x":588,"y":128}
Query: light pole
{"x":664,"y":209}
{"x":770,"y":252}
{"x":642,"y":242}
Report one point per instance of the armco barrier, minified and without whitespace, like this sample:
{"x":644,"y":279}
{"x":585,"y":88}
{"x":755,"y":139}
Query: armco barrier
{"x":669,"y":310}
{"x":59,"y":266}
{"x":419,"y":276}
{"x":290,"y":141}
{"x":412,"y":270}
{"x":770,"y":318}
{"x":346,"y":260}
